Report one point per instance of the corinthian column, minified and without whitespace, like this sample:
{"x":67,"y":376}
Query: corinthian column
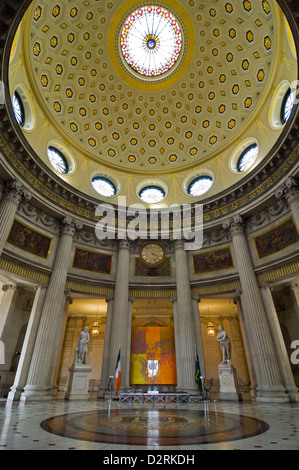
{"x":282,"y":355}
{"x":47,"y":345}
{"x":290,"y":192}
{"x":120,"y":319}
{"x":9,"y":205}
{"x":269,"y":383}
{"x":28,"y":344}
{"x":185,"y":319}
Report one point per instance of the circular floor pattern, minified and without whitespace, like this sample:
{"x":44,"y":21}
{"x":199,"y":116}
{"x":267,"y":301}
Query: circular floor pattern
{"x":150,"y":427}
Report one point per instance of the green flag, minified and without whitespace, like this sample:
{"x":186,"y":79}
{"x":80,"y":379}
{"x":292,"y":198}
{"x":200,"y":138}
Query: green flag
{"x":197,"y":371}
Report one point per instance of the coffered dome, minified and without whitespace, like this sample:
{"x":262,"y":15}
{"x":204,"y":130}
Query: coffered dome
{"x":192,"y":113}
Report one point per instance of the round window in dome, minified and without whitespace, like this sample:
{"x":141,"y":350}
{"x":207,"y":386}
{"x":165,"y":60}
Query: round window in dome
{"x":247,"y":158}
{"x":200,"y":185}
{"x":287,"y":106}
{"x":18,"y":108}
{"x":58,"y":160}
{"x":103,"y":186}
{"x":151,"y":41}
{"x":152,"y":194}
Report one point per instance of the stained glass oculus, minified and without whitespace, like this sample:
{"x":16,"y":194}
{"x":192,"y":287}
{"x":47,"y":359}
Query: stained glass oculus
{"x":247,"y":158}
{"x":58,"y":160}
{"x":151,"y":41}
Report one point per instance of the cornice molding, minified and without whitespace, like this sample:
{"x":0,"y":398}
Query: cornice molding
{"x":50,"y":191}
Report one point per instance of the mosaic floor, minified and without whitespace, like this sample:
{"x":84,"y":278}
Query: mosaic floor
{"x":154,"y":427}
{"x":98,"y":425}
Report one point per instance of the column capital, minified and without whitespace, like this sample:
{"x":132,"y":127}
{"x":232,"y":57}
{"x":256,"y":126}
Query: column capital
{"x":67,"y":293}
{"x":179,"y":243}
{"x":196,"y":298}
{"x":288,"y":190}
{"x":15,"y":191}
{"x":239,"y":291}
{"x":173,"y":299}
{"x":131,"y":300}
{"x":109,"y":298}
{"x":41,"y":285}
{"x":265,"y":285}
{"x":13,"y":287}
{"x":234,"y":224}
{"x":69,"y":226}
{"x":124,"y":243}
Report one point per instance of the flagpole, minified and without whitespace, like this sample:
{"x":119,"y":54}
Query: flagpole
{"x":118,"y":370}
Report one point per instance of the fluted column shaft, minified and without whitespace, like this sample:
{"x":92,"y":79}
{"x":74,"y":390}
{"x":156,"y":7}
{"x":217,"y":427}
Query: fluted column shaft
{"x":178,"y":360}
{"x":120,"y":310}
{"x":126,"y":383}
{"x":185,"y":318}
{"x":28,"y":344}
{"x":8,"y":318}
{"x":198,"y":335}
{"x":282,"y":355}
{"x":105,"y":364}
{"x":269,"y":384}
{"x":8,"y":208}
{"x":42,"y":368}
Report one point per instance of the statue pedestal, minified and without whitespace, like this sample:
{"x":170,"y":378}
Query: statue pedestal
{"x":228,"y":383}
{"x":78,"y":382}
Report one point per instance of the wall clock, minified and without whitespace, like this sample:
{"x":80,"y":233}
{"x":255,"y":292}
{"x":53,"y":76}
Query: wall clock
{"x":152,"y":254}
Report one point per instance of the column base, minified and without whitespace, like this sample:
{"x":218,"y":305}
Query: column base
{"x":293,"y":395}
{"x":36,"y":393}
{"x":14,"y":394}
{"x":276,"y":394}
{"x":191,"y":390}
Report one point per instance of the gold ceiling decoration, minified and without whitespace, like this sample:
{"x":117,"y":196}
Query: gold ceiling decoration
{"x":111,"y":123}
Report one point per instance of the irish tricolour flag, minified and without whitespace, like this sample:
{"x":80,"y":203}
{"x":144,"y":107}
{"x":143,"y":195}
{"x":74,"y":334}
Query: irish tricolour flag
{"x":118,"y":372}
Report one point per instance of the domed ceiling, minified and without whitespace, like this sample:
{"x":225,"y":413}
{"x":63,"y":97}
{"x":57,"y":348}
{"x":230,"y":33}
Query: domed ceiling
{"x":72,"y":62}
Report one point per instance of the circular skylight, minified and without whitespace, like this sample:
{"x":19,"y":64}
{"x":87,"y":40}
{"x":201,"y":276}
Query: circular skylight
{"x":103,"y":186}
{"x":18,"y":108}
{"x":200,"y":185}
{"x":152,"y":194}
{"x":287,"y":106}
{"x":151,"y":40}
{"x":58,"y":160}
{"x":247,"y":158}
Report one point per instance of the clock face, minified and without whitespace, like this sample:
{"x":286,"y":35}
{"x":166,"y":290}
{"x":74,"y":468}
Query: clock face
{"x":152,"y":254}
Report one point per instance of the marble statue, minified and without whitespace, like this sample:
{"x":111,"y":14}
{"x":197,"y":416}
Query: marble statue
{"x":81,"y":349}
{"x":225,"y":346}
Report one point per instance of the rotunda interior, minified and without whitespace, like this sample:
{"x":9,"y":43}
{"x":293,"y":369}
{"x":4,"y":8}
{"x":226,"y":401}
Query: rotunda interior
{"x":149,"y":193}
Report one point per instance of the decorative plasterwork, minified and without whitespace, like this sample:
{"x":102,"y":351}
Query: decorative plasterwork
{"x":84,"y":99}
